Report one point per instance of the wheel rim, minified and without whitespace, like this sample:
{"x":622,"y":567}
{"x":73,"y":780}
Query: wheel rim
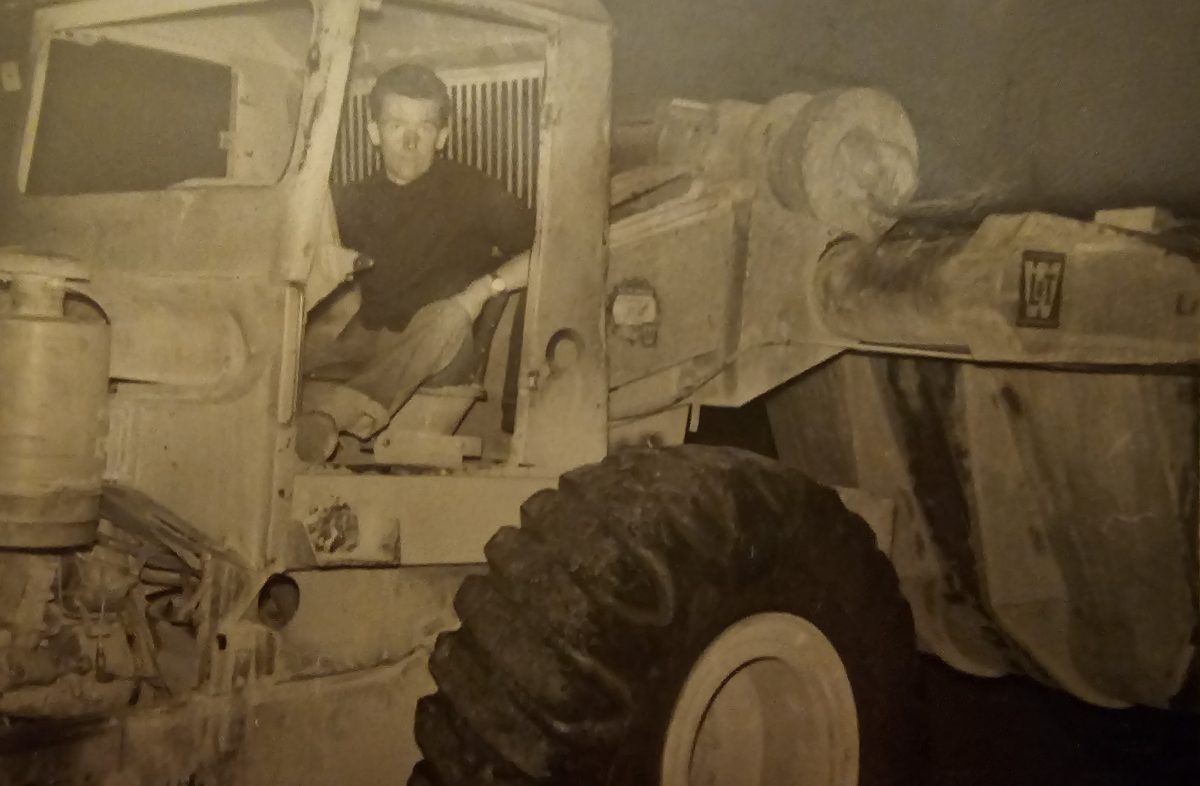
{"x":768,"y":703}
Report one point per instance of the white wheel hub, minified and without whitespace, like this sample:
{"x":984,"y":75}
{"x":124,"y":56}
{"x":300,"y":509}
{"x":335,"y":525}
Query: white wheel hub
{"x":767,"y":704}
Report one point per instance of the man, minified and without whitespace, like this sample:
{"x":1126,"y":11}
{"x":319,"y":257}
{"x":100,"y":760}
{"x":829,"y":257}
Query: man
{"x":432,"y":227}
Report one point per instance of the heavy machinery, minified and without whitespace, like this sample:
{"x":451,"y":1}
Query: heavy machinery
{"x":1008,"y":410}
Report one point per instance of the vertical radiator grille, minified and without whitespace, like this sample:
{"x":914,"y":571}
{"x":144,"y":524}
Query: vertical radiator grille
{"x":494,"y":120}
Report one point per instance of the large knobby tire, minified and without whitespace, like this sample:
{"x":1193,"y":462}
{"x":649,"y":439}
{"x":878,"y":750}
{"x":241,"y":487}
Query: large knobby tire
{"x":636,"y":578}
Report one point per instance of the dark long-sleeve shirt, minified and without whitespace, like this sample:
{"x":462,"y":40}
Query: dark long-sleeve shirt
{"x":429,"y":238}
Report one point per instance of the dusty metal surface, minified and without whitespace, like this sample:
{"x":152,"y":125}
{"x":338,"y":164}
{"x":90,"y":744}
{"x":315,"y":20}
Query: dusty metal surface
{"x":677,"y":256}
{"x":565,"y":304}
{"x":722,"y":237}
{"x":1081,"y":488}
{"x":916,"y":449}
{"x":53,"y":404}
{"x":845,"y":425}
{"x":1039,"y":521}
{"x":1026,"y":288}
{"x":352,"y":728}
{"x":406,"y":519}
{"x":53,"y":417}
{"x":203,"y":284}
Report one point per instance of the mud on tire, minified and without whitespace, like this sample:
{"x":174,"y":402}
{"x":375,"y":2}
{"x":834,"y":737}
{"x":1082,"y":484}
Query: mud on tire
{"x":575,"y":644}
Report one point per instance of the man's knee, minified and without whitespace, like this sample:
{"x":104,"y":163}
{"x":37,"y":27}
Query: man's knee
{"x":428,"y":343}
{"x":462,"y":369}
{"x":444,"y":317}
{"x":339,"y":354}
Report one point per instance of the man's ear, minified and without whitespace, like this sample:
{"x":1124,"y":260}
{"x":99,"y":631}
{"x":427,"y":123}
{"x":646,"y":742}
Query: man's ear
{"x":442,"y":138}
{"x":373,"y":132}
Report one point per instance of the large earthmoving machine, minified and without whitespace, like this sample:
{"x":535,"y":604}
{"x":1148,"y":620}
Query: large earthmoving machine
{"x":1010,"y":411}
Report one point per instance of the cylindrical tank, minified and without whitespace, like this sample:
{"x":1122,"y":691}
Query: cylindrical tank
{"x":53,"y":409}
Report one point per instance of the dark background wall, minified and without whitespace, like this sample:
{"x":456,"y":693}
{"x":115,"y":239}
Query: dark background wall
{"x":1067,"y":104}
{"x":1058,"y":104}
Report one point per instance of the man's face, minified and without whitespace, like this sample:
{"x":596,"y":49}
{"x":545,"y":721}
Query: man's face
{"x":409,"y":134}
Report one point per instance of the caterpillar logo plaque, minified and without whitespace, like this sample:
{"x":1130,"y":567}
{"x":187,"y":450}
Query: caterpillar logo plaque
{"x":1041,"y":288}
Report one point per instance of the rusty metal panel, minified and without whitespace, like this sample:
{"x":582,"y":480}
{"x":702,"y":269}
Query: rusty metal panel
{"x":562,"y":405}
{"x":680,"y":259}
{"x":155,"y":234}
{"x":353,"y":727}
{"x":53,"y":416}
{"x":91,"y":12}
{"x":322,"y":638}
{"x":210,"y":458}
{"x":406,"y":519}
{"x":190,"y":279}
{"x":182,"y":441}
{"x":811,"y":424}
{"x":775,"y":313}
{"x":307,"y":193}
{"x":870,"y":427}
{"x":1083,"y":488}
{"x":1064,"y":503}
{"x":583,"y":10}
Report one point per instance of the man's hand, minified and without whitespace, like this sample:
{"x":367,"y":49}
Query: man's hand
{"x":515,"y":273}
{"x":332,"y":266}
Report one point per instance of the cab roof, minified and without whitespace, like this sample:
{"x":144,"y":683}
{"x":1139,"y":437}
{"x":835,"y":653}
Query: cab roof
{"x":590,"y":10}
{"x":539,"y":13}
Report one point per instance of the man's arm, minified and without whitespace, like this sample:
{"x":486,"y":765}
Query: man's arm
{"x":510,"y":226}
{"x":515,"y":274}
{"x":337,"y":259}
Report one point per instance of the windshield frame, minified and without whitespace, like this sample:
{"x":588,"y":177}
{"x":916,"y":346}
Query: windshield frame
{"x":78,"y":21}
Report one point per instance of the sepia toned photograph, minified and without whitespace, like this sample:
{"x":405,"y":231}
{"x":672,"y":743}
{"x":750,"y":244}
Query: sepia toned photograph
{"x":599,"y":393}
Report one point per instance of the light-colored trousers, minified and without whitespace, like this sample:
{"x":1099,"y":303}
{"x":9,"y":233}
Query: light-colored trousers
{"x":388,"y":366}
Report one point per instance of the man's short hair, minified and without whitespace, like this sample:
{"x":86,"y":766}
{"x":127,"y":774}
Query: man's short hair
{"x":412,"y":81}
